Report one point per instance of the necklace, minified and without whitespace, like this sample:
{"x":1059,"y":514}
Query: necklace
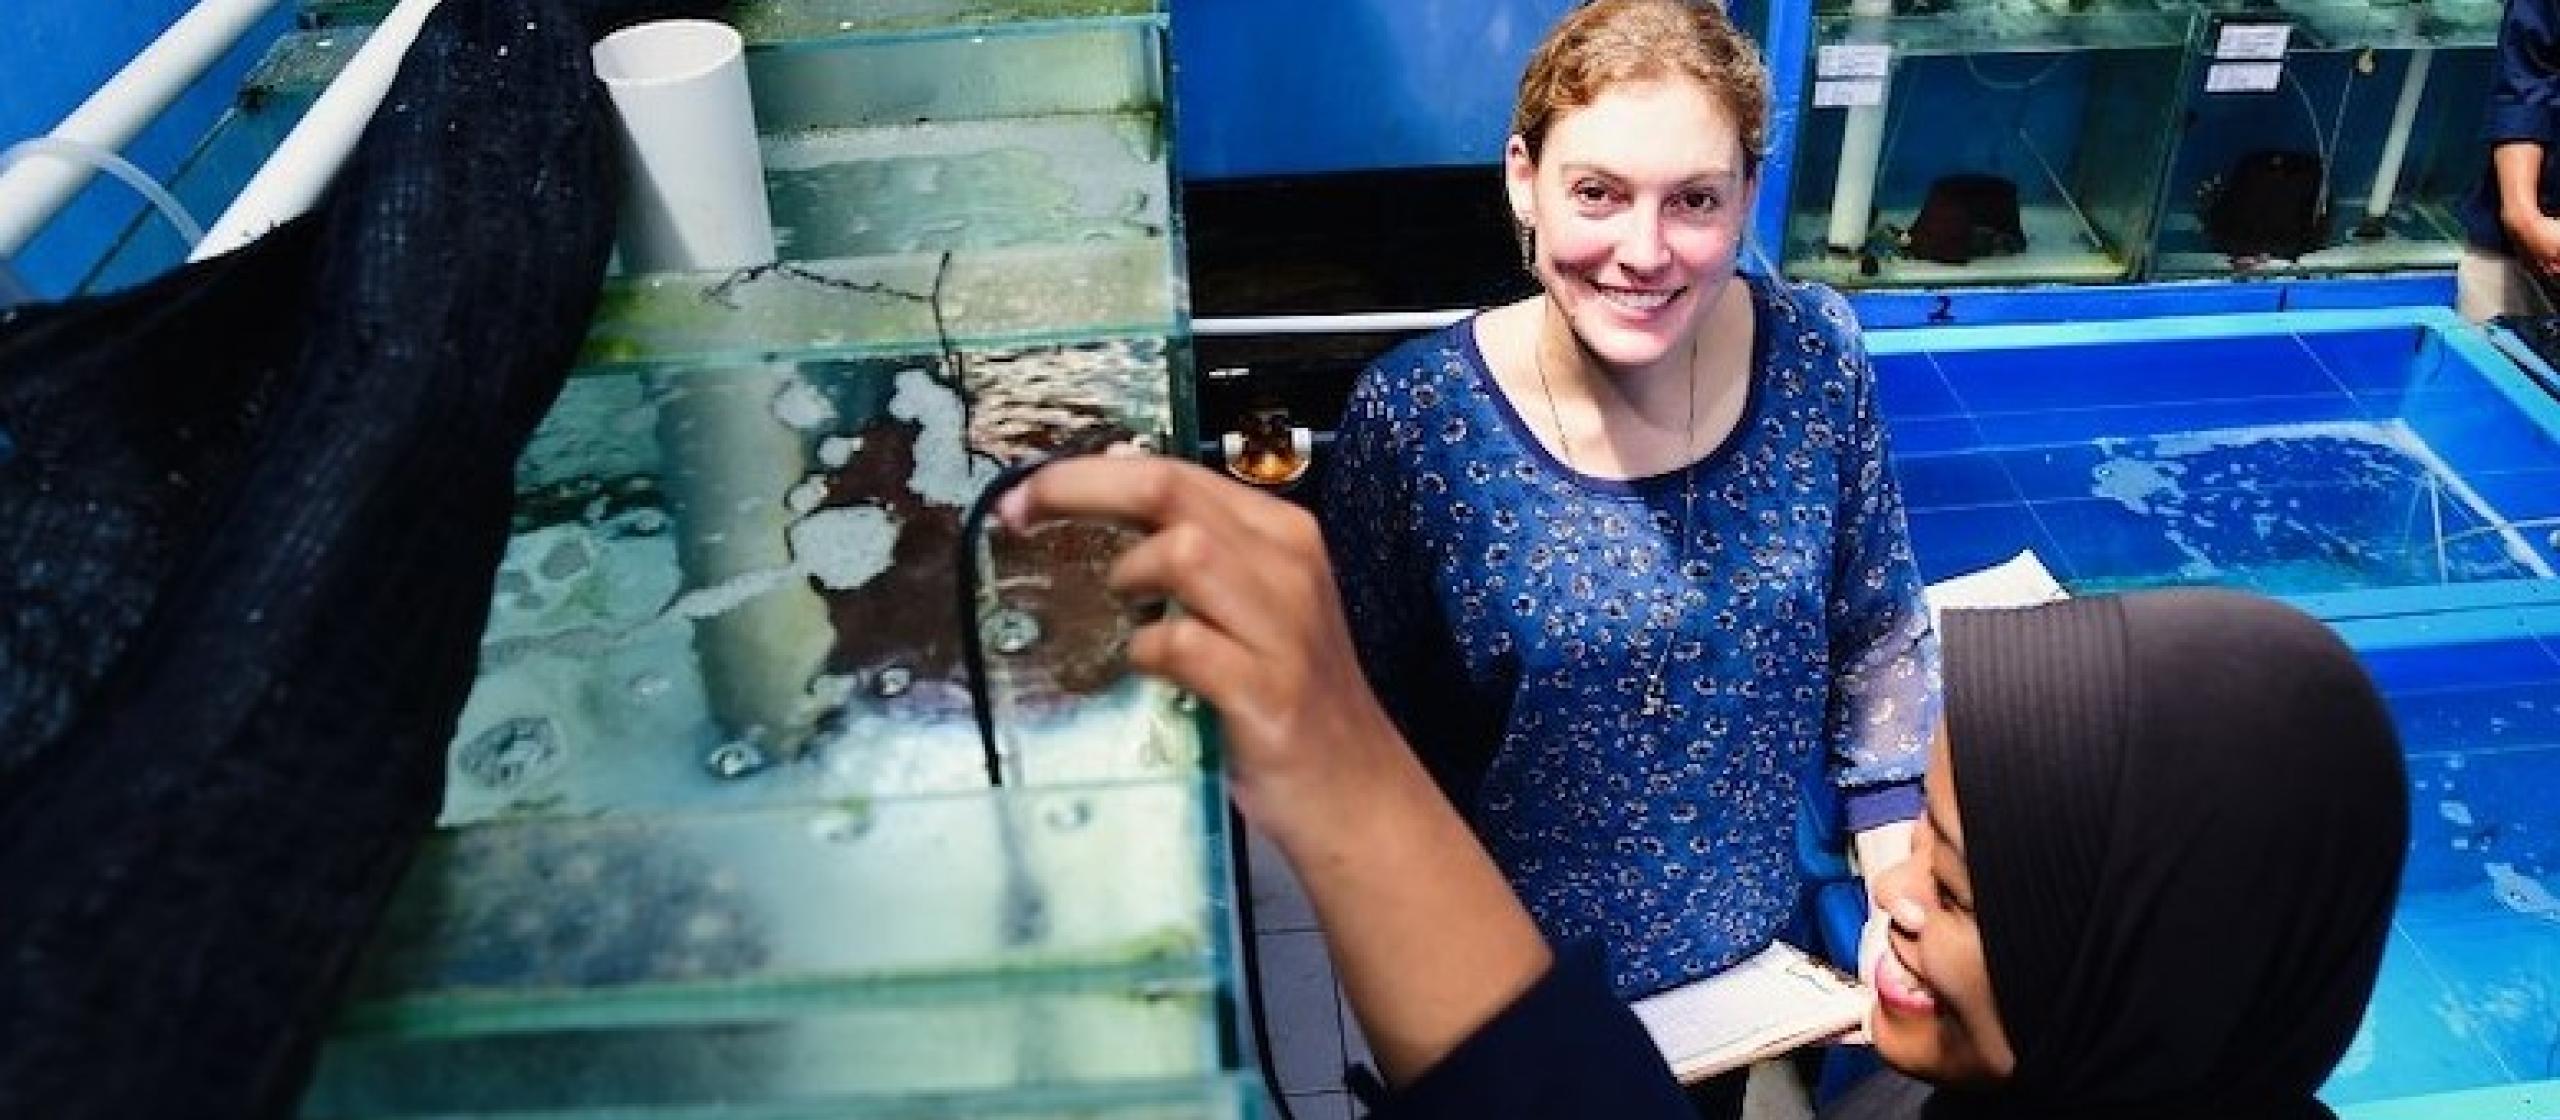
{"x":1656,"y":702}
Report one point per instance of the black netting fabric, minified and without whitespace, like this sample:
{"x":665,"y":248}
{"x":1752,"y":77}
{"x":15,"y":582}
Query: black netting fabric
{"x":249,"y":516}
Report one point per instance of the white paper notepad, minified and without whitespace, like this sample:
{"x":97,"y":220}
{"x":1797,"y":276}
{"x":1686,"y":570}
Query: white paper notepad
{"x":2019,"y":581}
{"x":1772,"y":1003}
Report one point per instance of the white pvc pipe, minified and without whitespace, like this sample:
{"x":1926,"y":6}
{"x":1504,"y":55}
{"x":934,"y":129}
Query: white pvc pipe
{"x":1853,"y":192}
{"x":694,"y":201}
{"x":2395,"y":147}
{"x":31,"y":193}
{"x":301,"y":167}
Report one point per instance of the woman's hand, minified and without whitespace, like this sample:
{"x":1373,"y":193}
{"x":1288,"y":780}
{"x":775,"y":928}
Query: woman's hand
{"x":1260,"y":634}
{"x":1429,"y":940}
{"x":2536,"y":239}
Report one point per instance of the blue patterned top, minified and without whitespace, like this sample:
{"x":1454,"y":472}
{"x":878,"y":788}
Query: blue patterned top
{"x":1511,"y":612}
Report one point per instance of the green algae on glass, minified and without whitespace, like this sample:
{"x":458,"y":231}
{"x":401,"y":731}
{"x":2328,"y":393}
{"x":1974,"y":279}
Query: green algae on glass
{"x":856,"y":82}
{"x":774,"y":21}
{"x":970,"y":184}
{"x":885,"y":305}
{"x":302,"y":63}
{"x":339,"y":13}
{"x":591,"y":922}
{"x":791,"y":1059}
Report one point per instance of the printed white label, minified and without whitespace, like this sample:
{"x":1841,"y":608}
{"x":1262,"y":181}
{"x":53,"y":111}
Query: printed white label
{"x":2253,"y":41}
{"x":1848,"y":94}
{"x":1852,"y":60}
{"x":2243,"y":77}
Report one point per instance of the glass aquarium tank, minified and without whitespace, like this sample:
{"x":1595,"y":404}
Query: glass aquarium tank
{"x":2328,"y":137}
{"x":1957,"y":142}
{"x":722,"y":827}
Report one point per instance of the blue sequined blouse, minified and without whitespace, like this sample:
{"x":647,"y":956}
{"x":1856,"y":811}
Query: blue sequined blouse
{"x":1511,"y":613}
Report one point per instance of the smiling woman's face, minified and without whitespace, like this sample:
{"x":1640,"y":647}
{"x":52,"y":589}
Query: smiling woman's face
{"x":1935,"y":1016}
{"x":1637,"y":203}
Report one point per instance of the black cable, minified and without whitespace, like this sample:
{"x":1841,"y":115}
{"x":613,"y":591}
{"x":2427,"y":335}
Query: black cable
{"x":973,"y":660}
{"x":973,"y":653}
{"x":1240,"y":856}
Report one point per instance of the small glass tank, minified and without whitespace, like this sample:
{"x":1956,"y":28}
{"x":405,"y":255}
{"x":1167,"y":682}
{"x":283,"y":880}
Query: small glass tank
{"x":2324,"y":136}
{"x":1952,"y":142}
{"x":719,"y":830}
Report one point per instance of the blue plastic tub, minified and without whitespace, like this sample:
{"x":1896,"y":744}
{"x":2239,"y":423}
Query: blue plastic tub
{"x":2388,"y":470}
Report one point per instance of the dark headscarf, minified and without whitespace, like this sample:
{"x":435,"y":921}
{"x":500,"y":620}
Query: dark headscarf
{"x":2184,"y":817}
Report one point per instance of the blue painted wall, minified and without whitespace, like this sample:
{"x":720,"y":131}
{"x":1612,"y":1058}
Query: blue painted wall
{"x":55,"y":54}
{"x":1316,"y":86}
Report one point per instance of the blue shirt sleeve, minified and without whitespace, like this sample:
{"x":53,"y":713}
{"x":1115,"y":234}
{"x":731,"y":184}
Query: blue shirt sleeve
{"x":2524,"y":106}
{"x":1566,"y":1047}
{"x":1884,"y":648}
{"x":2525,"y":88}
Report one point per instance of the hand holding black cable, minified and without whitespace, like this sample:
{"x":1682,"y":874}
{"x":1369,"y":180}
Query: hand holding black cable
{"x":1259,"y":634}
{"x":973,"y":651}
{"x":1429,"y":939}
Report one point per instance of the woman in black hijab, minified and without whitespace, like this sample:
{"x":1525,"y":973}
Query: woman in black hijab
{"x":2163,"y":841}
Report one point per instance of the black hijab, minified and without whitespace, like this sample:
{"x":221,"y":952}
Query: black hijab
{"x":2184,"y":814}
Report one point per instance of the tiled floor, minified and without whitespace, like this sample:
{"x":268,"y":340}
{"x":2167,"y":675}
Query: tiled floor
{"x":1313,"y":1036}
{"x":1313,"y":1039}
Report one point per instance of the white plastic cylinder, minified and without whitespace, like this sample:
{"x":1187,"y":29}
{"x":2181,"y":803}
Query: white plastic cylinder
{"x":1853,"y":190}
{"x":2395,"y":146}
{"x":694,"y":201}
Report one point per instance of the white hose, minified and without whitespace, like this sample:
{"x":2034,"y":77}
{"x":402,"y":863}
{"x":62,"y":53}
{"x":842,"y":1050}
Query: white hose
{"x":100,"y":159}
{"x":121,"y":107}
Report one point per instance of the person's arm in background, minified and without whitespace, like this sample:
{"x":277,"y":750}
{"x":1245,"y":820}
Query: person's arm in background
{"x":1884,"y":649}
{"x":2533,"y":235}
{"x":1463,"y":1003}
{"x":2521,"y":125}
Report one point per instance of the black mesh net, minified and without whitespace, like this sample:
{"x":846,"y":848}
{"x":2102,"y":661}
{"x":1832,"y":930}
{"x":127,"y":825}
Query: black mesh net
{"x":249,"y":515}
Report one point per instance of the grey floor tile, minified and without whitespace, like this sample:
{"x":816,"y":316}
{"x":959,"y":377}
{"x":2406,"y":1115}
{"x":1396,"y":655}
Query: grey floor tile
{"x":1777,"y":1093}
{"x":1319,"y":1106}
{"x":1304,"y":1017}
{"x":1279,"y":904}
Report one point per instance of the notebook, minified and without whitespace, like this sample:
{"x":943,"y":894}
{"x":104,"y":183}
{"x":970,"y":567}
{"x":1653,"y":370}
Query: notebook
{"x":2020,"y":581}
{"x":1769,"y":1004}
